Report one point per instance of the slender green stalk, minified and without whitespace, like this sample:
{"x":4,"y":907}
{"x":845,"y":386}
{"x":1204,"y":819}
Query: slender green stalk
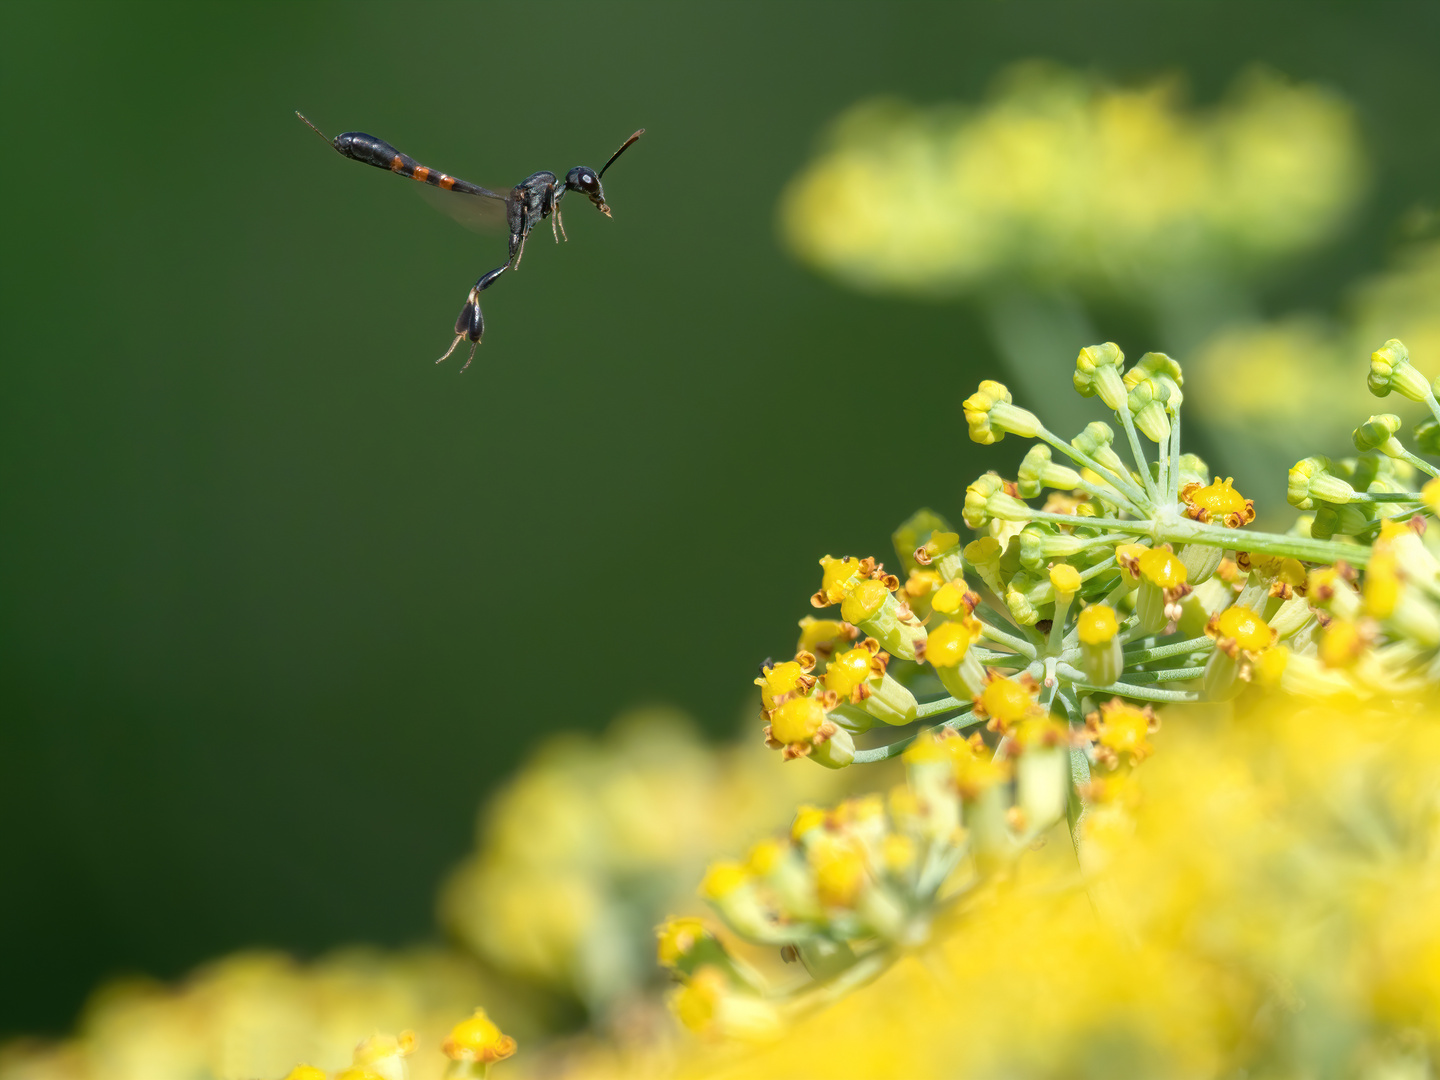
{"x":1124,"y":689}
{"x":1160,"y":652}
{"x":1124,"y":483}
{"x":895,"y":749}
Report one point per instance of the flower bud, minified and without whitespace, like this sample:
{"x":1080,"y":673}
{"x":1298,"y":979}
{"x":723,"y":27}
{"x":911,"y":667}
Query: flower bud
{"x":991,"y":415}
{"x":1390,"y":369}
{"x":1094,"y":442}
{"x":1378,"y":433}
{"x":948,"y":650}
{"x":1097,"y":371}
{"x":1038,"y":471}
{"x":1154,"y":394}
{"x":1311,"y":479}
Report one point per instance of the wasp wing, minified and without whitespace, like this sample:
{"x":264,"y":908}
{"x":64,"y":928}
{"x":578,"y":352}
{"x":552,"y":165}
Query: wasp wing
{"x":472,"y":206}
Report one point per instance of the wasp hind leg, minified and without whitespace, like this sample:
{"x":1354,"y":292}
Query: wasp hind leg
{"x":470,"y":325}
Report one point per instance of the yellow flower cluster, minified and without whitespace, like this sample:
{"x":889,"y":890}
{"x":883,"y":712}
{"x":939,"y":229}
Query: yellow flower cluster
{"x":597,"y":838}
{"x":1265,"y":385}
{"x":254,"y":1015}
{"x":1060,"y":179}
{"x":1263,"y":904}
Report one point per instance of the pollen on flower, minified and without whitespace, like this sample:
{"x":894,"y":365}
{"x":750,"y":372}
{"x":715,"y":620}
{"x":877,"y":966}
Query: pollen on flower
{"x":1160,"y":567}
{"x":1065,"y":578}
{"x":1129,"y":555}
{"x":1239,"y":627}
{"x":796,"y":720}
{"x":849,"y":672}
{"x":864,"y":600}
{"x":305,"y":1072}
{"x":953,"y":597}
{"x":779,"y":680}
{"x":477,"y":1039}
{"x":835,"y":575}
{"x":1006,"y":701}
{"x":1217,"y":502}
{"x":1097,"y":624}
{"x":1121,"y":728}
{"x":948,"y":643}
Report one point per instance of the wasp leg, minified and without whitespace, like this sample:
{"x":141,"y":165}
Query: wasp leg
{"x":471,"y":322}
{"x":458,"y":338}
{"x":554,"y":212}
{"x":560,"y":221}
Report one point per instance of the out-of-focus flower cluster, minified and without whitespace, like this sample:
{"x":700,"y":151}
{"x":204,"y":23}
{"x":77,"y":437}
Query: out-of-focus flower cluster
{"x":1060,"y":178}
{"x":593,"y":841}
{"x":1058,"y":628}
{"x":254,"y":1015}
{"x":1262,"y":385}
{"x":1262,"y":903}
{"x":597,"y":838}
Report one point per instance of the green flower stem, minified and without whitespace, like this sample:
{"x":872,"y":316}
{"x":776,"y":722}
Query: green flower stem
{"x":933,"y":708}
{"x":1123,"y":689}
{"x":1024,"y":648}
{"x":1432,"y":403}
{"x":1180,"y":530}
{"x":1386,"y":496}
{"x":1419,"y":463}
{"x":1142,"y":463}
{"x":1162,"y":459}
{"x":1111,"y":494}
{"x":895,"y":749}
{"x":1178,"y":648}
{"x":1164,"y":675}
{"x":1373,"y":529}
{"x":1174,"y":494}
{"x":1141,"y":527}
{"x":1123,"y":483}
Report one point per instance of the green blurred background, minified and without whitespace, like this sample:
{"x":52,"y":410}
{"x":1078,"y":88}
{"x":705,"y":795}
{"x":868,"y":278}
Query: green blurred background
{"x":282,"y":599}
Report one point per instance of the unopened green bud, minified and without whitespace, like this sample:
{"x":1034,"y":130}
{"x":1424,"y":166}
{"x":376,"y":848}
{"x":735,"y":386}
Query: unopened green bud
{"x":1378,"y":433}
{"x":1193,"y":469}
{"x":1201,"y":561}
{"x":1345,"y":519}
{"x":991,"y":415}
{"x":986,"y":498}
{"x":1097,"y":371}
{"x":1154,"y":394}
{"x":984,"y":555}
{"x":1038,"y":471}
{"x":1041,"y":542}
{"x":1095,"y":442}
{"x":1390,"y":369}
{"x":1311,"y":479}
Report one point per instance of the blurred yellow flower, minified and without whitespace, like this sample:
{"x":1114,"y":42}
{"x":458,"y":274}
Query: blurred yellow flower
{"x":599,"y":839}
{"x":1061,"y":179}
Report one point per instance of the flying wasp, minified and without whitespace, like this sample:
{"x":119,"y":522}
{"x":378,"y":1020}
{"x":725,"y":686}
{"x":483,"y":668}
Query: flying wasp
{"x":524,"y":206}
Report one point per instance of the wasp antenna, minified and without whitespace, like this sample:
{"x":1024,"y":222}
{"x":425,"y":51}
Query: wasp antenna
{"x":623,"y":147}
{"x":317,"y":131}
